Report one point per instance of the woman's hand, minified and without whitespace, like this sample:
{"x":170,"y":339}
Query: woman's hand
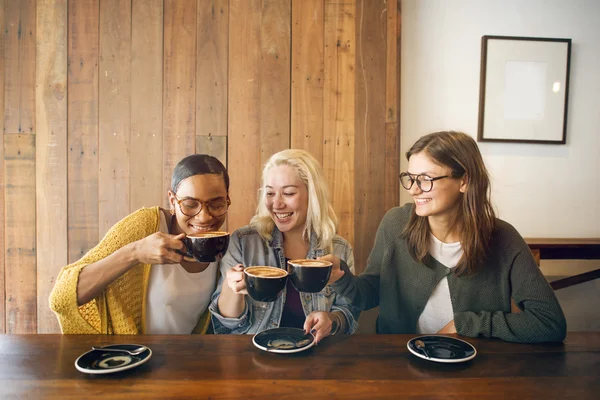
{"x":336,"y":271}
{"x":235,"y":280}
{"x":449,"y":328}
{"x":159,"y":248}
{"x":319,"y":323}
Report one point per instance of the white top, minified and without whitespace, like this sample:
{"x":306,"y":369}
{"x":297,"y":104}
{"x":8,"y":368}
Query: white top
{"x":176,"y":298}
{"x":438,"y":310}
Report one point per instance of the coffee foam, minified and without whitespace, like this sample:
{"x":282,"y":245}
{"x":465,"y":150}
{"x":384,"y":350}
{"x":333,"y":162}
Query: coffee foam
{"x":266,"y":272}
{"x":310,"y":263}
{"x":209,"y":234}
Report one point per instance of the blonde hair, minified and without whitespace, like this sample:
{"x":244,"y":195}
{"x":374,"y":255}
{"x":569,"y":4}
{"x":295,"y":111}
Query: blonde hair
{"x":320,"y":219}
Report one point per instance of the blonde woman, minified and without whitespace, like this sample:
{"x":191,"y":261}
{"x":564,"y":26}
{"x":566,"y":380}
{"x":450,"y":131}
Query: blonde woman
{"x":294,"y":219}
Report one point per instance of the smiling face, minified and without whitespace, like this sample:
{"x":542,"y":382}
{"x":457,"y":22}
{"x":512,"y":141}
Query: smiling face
{"x":286,"y":198}
{"x":444,"y":198}
{"x":206,"y":188}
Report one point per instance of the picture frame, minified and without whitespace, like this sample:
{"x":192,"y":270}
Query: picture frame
{"x":524,"y":89}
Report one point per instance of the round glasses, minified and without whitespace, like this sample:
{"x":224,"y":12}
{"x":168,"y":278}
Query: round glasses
{"x":424,"y":182}
{"x":192,"y":207}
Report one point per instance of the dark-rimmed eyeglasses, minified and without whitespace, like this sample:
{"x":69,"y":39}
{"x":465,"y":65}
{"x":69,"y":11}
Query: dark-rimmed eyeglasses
{"x":424,"y":182}
{"x":192,"y":207}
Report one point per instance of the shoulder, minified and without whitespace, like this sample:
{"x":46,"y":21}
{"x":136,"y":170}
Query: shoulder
{"x":506,"y":240}
{"x":396,"y":218}
{"x":144,"y":214}
{"x":507,"y":234}
{"x":246,"y":233}
{"x":140,"y":223}
{"x":340,"y":242}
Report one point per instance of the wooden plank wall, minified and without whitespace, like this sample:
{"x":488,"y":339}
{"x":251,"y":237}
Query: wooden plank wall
{"x":101,"y":98}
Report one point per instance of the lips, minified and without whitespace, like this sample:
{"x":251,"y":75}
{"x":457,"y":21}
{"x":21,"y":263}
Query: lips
{"x":283,"y":216}
{"x":200,"y":229}
{"x":420,"y":202}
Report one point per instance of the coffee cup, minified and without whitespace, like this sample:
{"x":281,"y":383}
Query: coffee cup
{"x":309,"y":276}
{"x":206,"y":246}
{"x":265,"y":283}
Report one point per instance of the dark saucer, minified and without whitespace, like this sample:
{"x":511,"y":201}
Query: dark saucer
{"x":283,"y":340}
{"x":108,"y":362}
{"x":442,"y":349}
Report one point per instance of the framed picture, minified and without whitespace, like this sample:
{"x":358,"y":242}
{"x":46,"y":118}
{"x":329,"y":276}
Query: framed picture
{"x":524,"y":89}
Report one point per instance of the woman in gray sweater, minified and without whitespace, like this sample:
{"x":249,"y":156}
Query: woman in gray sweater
{"x":446,"y":264}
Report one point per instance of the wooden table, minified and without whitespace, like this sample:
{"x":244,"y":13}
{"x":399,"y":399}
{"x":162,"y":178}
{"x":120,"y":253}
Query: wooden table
{"x":358,"y":366}
{"x":567,"y":249}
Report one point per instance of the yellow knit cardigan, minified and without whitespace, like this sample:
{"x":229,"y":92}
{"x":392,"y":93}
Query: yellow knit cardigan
{"x":121,"y":308}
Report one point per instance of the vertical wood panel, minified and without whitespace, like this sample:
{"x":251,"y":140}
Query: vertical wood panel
{"x":215,"y":146}
{"x":2,"y":187}
{"x":307,"y":77}
{"x":211,"y":71}
{"x":82,"y":111}
{"x":146,"y":103}
{"x":244,"y":109}
{"x":370,"y":125}
{"x":20,"y":270}
{"x":51,"y":153}
{"x":179,"y":94}
{"x":114,"y":112}
{"x":19,"y":73}
{"x":392,"y":103}
{"x":274,"y":77}
{"x":238,"y":79}
{"x":339,"y":92}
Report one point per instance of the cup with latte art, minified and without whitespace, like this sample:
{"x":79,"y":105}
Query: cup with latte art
{"x":206,"y":246}
{"x":309,"y":276}
{"x":265,"y":283}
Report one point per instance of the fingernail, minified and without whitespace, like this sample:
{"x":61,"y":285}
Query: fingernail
{"x":313,"y":331}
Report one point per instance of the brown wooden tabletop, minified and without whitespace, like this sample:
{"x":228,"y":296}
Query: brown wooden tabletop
{"x":359,"y":366}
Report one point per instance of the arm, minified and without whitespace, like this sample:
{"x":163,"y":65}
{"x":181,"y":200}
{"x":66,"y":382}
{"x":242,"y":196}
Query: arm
{"x":229,"y":308}
{"x":363,"y":291}
{"x":158,"y":248}
{"x":346,"y":313}
{"x":64,"y":297}
{"x":541,"y":318}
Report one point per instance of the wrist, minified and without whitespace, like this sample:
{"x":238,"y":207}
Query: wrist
{"x":336,"y":324}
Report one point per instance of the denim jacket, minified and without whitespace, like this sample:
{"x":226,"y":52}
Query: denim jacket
{"x":248,"y":248}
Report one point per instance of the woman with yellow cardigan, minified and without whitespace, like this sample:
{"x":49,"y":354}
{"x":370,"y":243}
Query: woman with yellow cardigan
{"x":135,"y":281}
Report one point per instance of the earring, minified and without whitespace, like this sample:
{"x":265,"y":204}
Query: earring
{"x":172,"y":211}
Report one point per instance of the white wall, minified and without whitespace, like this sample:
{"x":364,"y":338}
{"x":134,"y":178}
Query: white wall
{"x":543,"y":190}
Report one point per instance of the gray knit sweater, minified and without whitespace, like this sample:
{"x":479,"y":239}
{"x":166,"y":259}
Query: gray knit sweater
{"x":400,"y":286}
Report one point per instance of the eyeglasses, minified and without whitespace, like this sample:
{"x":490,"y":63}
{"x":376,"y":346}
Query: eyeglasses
{"x":192,"y":207}
{"x":424,"y":182}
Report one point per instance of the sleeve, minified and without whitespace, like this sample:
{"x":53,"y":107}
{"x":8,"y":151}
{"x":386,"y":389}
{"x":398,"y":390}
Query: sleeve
{"x":221,"y":324}
{"x":541,"y":318}
{"x":363,"y":291}
{"x":341,"y":303}
{"x":87,"y":318}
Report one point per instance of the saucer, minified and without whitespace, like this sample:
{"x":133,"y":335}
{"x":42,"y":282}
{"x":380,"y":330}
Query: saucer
{"x":108,"y":362}
{"x":283,"y":340}
{"x":443,"y":349}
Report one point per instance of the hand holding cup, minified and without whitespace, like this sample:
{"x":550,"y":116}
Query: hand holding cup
{"x":235,"y":280}
{"x":336,"y":270}
{"x":160,"y":248}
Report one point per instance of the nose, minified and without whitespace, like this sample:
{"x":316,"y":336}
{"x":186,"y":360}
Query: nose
{"x":278,"y":202}
{"x":415,"y":189}
{"x":203,"y":215}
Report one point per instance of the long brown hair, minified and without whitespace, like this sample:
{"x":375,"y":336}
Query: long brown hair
{"x":475,"y":217}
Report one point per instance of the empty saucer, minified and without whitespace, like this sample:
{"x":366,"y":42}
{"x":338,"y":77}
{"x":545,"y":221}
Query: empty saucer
{"x":108,"y":362}
{"x":283,"y":340}
{"x":442,"y":349}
